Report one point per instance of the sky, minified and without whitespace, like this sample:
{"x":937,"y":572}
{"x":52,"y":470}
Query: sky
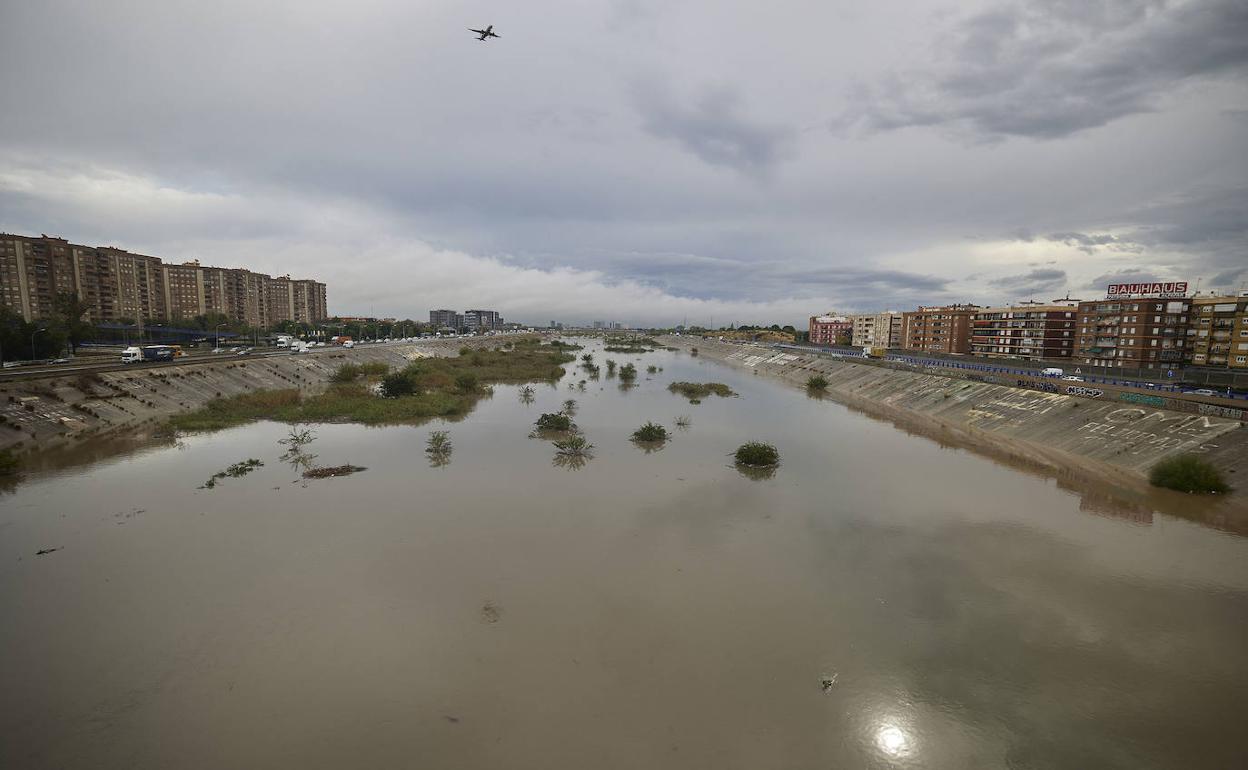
{"x":649,"y":162}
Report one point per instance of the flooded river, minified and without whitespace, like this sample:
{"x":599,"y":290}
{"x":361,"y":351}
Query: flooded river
{"x":881,"y":601}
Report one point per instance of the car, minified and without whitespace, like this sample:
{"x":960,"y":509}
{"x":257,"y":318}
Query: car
{"x":244,"y":352}
{"x":218,"y":350}
{"x":59,"y":361}
{"x":1201,"y":392}
{"x":1073,"y":378}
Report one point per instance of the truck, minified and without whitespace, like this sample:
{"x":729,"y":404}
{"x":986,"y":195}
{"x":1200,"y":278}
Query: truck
{"x":340,"y":340}
{"x":873,"y":352}
{"x":283,"y":340}
{"x":133,"y":355}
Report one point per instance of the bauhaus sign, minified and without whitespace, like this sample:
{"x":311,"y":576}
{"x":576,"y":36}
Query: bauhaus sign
{"x":1172,"y":290}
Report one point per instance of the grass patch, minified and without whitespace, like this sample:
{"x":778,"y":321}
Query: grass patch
{"x":554,"y":421}
{"x":1188,"y":473}
{"x":352,"y":372}
{"x":574,"y":446}
{"x":439,"y":387}
{"x":696,"y":391}
{"x":650,"y":432}
{"x":818,"y":382}
{"x":756,"y":454}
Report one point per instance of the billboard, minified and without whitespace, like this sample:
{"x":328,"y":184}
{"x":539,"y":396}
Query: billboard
{"x":1172,"y":290}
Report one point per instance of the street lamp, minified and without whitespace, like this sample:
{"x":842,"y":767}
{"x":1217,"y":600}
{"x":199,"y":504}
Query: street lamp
{"x":219,"y":335}
{"x":32,"y":342}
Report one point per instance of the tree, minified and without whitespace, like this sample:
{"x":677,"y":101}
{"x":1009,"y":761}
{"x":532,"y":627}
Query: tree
{"x":69,"y":311}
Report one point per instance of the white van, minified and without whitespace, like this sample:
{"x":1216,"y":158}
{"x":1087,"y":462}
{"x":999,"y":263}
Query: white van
{"x":348,"y":344}
{"x":1053,"y":371}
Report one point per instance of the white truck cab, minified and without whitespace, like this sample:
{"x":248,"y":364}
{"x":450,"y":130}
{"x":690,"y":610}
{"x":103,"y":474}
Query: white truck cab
{"x":132,"y":355}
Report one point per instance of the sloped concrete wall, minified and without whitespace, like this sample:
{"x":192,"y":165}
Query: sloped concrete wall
{"x":39,"y":414}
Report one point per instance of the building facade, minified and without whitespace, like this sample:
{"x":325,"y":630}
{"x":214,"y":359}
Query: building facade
{"x":830,"y":330}
{"x":1139,"y":332}
{"x":877,"y":330}
{"x":482,"y":320}
{"x":119,"y":286}
{"x":1217,"y":334}
{"x":1031,"y":331}
{"x":939,"y":329}
{"x":445,"y":319}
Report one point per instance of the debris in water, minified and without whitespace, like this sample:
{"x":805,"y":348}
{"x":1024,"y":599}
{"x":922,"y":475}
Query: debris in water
{"x":42,"y":551}
{"x":491,"y":612}
{"x":827,"y":681}
{"x":330,"y":472}
{"x":451,"y":719}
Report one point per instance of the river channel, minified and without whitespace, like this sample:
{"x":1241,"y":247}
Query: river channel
{"x":880,"y":601}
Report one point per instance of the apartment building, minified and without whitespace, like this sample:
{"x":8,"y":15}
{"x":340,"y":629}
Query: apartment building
{"x":118,"y":285}
{"x":830,"y":330}
{"x":445,"y":319}
{"x":1217,"y":334}
{"x":877,"y":330}
{"x":1142,"y":332}
{"x":1029,"y":330}
{"x":939,"y":329}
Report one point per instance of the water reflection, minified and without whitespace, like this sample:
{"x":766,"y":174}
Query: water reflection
{"x":757,"y":473}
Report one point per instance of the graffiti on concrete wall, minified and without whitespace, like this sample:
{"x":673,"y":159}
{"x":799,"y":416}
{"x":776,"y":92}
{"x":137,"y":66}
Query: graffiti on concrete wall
{"x":1047,"y":387}
{"x":1146,"y":431}
{"x":1076,"y":390}
{"x":1213,"y":410}
{"x":1141,"y":398}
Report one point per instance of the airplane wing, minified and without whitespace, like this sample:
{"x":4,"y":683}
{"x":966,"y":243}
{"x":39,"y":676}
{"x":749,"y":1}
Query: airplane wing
{"x":495,"y":34}
{"x":478,"y":31}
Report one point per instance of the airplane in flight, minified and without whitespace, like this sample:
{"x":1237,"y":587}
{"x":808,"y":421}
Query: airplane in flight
{"x":484,"y":33}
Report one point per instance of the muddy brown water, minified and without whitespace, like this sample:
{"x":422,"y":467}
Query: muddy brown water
{"x":880,"y":601}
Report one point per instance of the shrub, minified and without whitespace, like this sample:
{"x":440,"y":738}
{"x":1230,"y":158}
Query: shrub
{"x":684,"y":421}
{"x":374,"y":368}
{"x":467,"y":383}
{"x":439,"y":443}
{"x":650,"y":432}
{"x":345,"y":373}
{"x":569,"y":406}
{"x":693,"y":351}
{"x":652,"y":369}
{"x":757,"y":454}
{"x":401,"y":383}
{"x":574,"y":446}
{"x":555,"y":421}
{"x":610,"y":367}
{"x":628,"y":372}
{"x":588,"y":358}
{"x":818,"y":382}
{"x":1188,"y":473}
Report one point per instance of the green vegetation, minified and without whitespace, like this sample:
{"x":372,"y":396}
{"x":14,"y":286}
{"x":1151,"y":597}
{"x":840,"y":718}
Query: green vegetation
{"x":588,"y":358}
{"x":696,"y":391}
{"x":561,"y":345}
{"x":610,"y":368}
{"x":693,"y":351}
{"x":569,"y":406}
{"x":652,"y":369}
{"x":574,"y":446}
{"x":332,"y":471}
{"x":628,"y":372}
{"x":1188,"y":473}
{"x":526,"y":394}
{"x":234,"y":471}
{"x":650,"y":432}
{"x":818,"y":382}
{"x":684,"y":421}
{"x":352,"y":372}
{"x":439,"y":443}
{"x":756,"y":454}
{"x":554,"y":421}
{"x":432,"y":387}
{"x":9,"y":463}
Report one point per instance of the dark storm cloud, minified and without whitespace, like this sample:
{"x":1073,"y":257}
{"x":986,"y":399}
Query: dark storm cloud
{"x":1130,"y":275}
{"x":710,"y":124}
{"x":1048,"y":70}
{"x":1033,"y":282}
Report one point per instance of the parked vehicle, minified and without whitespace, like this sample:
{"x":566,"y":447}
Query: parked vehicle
{"x":1201,"y":392}
{"x":348,"y":344}
{"x":1053,"y":371}
{"x":132,"y":355}
{"x":1073,"y":378}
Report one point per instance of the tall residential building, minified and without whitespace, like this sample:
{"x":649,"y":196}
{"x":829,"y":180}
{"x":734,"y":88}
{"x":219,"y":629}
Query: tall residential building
{"x":475,"y":320}
{"x":1217,"y":334}
{"x":830,"y":330}
{"x":1030,"y":330}
{"x":1134,"y":329}
{"x":117,"y":285}
{"x":877,"y":330}
{"x":939,"y":329}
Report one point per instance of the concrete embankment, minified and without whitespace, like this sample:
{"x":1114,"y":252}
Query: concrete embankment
{"x":1091,"y":434}
{"x":38,"y":414}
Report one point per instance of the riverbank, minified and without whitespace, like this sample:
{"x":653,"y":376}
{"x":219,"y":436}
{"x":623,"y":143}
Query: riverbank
{"x":1059,"y":434}
{"x":62,"y":411}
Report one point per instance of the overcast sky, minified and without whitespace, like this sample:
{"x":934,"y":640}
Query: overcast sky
{"x":636,"y":160}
